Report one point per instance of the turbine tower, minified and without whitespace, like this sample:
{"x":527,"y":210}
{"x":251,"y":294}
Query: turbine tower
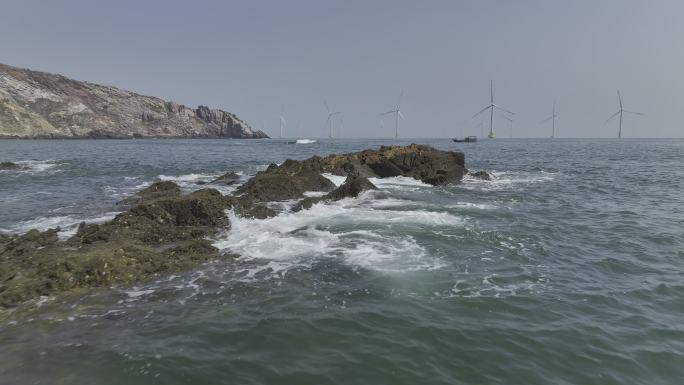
{"x":510,"y":128}
{"x":552,"y":118}
{"x":491,"y":107}
{"x":398,"y":114}
{"x":331,"y":115}
{"x":620,"y":112}
{"x":283,"y":123}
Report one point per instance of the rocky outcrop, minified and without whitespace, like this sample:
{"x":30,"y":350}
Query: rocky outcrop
{"x":351,"y":188}
{"x":163,"y":230}
{"x":159,"y":235}
{"x":158,"y":190}
{"x":42,"y":105}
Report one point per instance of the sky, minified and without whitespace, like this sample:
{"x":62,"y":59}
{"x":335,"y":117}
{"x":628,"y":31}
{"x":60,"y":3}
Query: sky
{"x":257,"y":58}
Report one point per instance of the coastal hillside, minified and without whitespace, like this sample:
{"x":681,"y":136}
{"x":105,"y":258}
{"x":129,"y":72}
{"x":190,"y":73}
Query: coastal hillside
{"x":42,"y":105}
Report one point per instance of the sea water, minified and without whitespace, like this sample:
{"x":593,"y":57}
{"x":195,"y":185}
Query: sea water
{"x":567,"y":268}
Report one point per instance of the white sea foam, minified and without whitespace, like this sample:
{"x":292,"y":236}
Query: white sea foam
{"x":324,"y":231}
{"x":398,"y":181}
{"x":67,"y":223}
{"x":189,"y":178}
{"x":336,"y":179}
{"x":305,"y":141}
{"x":192,"y":182}
{"x":507,"y":179}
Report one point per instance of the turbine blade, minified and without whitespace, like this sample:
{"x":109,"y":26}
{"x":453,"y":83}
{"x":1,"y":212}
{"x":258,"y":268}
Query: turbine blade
{"x":401,"y":115}
{"x":620,"y":99}
{"x":388,"y":112}
{"x":503,"y":109}
{"x":481,"y":111}
{"x":547,"y":119}
{"x":401,"y":94}
{"x":326,"y":105}
{"x":612,"y":116}
{"x":634,"y":112}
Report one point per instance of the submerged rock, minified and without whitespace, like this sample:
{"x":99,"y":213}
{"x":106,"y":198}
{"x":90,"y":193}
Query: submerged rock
{"x":9,"y":166}
{"x":351,"y":188}
{"x":482,"y":175}
{"x":227,"y":179}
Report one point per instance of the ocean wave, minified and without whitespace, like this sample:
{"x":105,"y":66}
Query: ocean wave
{"x":328,"y":230}
{"x":68,"y":224}
{"x":506,"y":179}
{"x":193,"y":182}
{"x":35,"y":166}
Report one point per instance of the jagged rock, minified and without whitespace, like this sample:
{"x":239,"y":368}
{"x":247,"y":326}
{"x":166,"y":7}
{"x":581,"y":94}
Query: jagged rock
{"x":227,"y":179}
{"x":275,"y":184}
{"x":482,"y":175}
{"x":351,"y":188}
{"x":42,"y":105}
{"x":9,"y":166}
{"x":163,"y":189}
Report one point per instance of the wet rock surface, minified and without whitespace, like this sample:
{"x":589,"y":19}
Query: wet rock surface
{"x":163,"y":189}
{"x":164,"y":231}
{"x":9,"y":166}
{"x":351,"y":188}
{"x":482,"y":175}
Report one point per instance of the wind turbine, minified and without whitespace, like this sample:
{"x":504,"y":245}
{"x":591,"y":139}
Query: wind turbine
{"x":491,"y":107}
{"x":510,"y":128}
{"x":552,"y":118}
{"x":331,"y":115}
{"x":283,"y":123}
{"x":620,"y":111}
{"x":398,"y":114}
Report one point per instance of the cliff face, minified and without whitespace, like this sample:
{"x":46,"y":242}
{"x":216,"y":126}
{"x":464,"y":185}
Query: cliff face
{"x":38,"y":104}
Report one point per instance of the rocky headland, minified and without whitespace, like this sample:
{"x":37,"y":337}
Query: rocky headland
{"x":163,"y":230}
{"x":42,"y":105}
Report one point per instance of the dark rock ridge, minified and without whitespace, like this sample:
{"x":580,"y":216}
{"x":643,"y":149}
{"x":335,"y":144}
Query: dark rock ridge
{"x":42,"y":105}
{"x":351,"y":188}
{"x":163,"y":230}
{"x":9,"y":166}
{"x":292,"y":178}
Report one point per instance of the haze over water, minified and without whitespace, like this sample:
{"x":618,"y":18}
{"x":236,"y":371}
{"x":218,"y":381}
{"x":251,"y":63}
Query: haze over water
{"x":566,"y":269}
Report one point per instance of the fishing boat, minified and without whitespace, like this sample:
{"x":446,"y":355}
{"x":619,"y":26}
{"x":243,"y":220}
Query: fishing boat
{"x":467,"y":139}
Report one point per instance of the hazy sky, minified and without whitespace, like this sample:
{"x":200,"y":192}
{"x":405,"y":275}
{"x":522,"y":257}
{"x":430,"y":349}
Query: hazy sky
{"x":252,"y":57}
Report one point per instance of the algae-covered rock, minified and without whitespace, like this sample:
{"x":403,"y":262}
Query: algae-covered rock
{"x":162,"y":236}
{"x":158,"y":190}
